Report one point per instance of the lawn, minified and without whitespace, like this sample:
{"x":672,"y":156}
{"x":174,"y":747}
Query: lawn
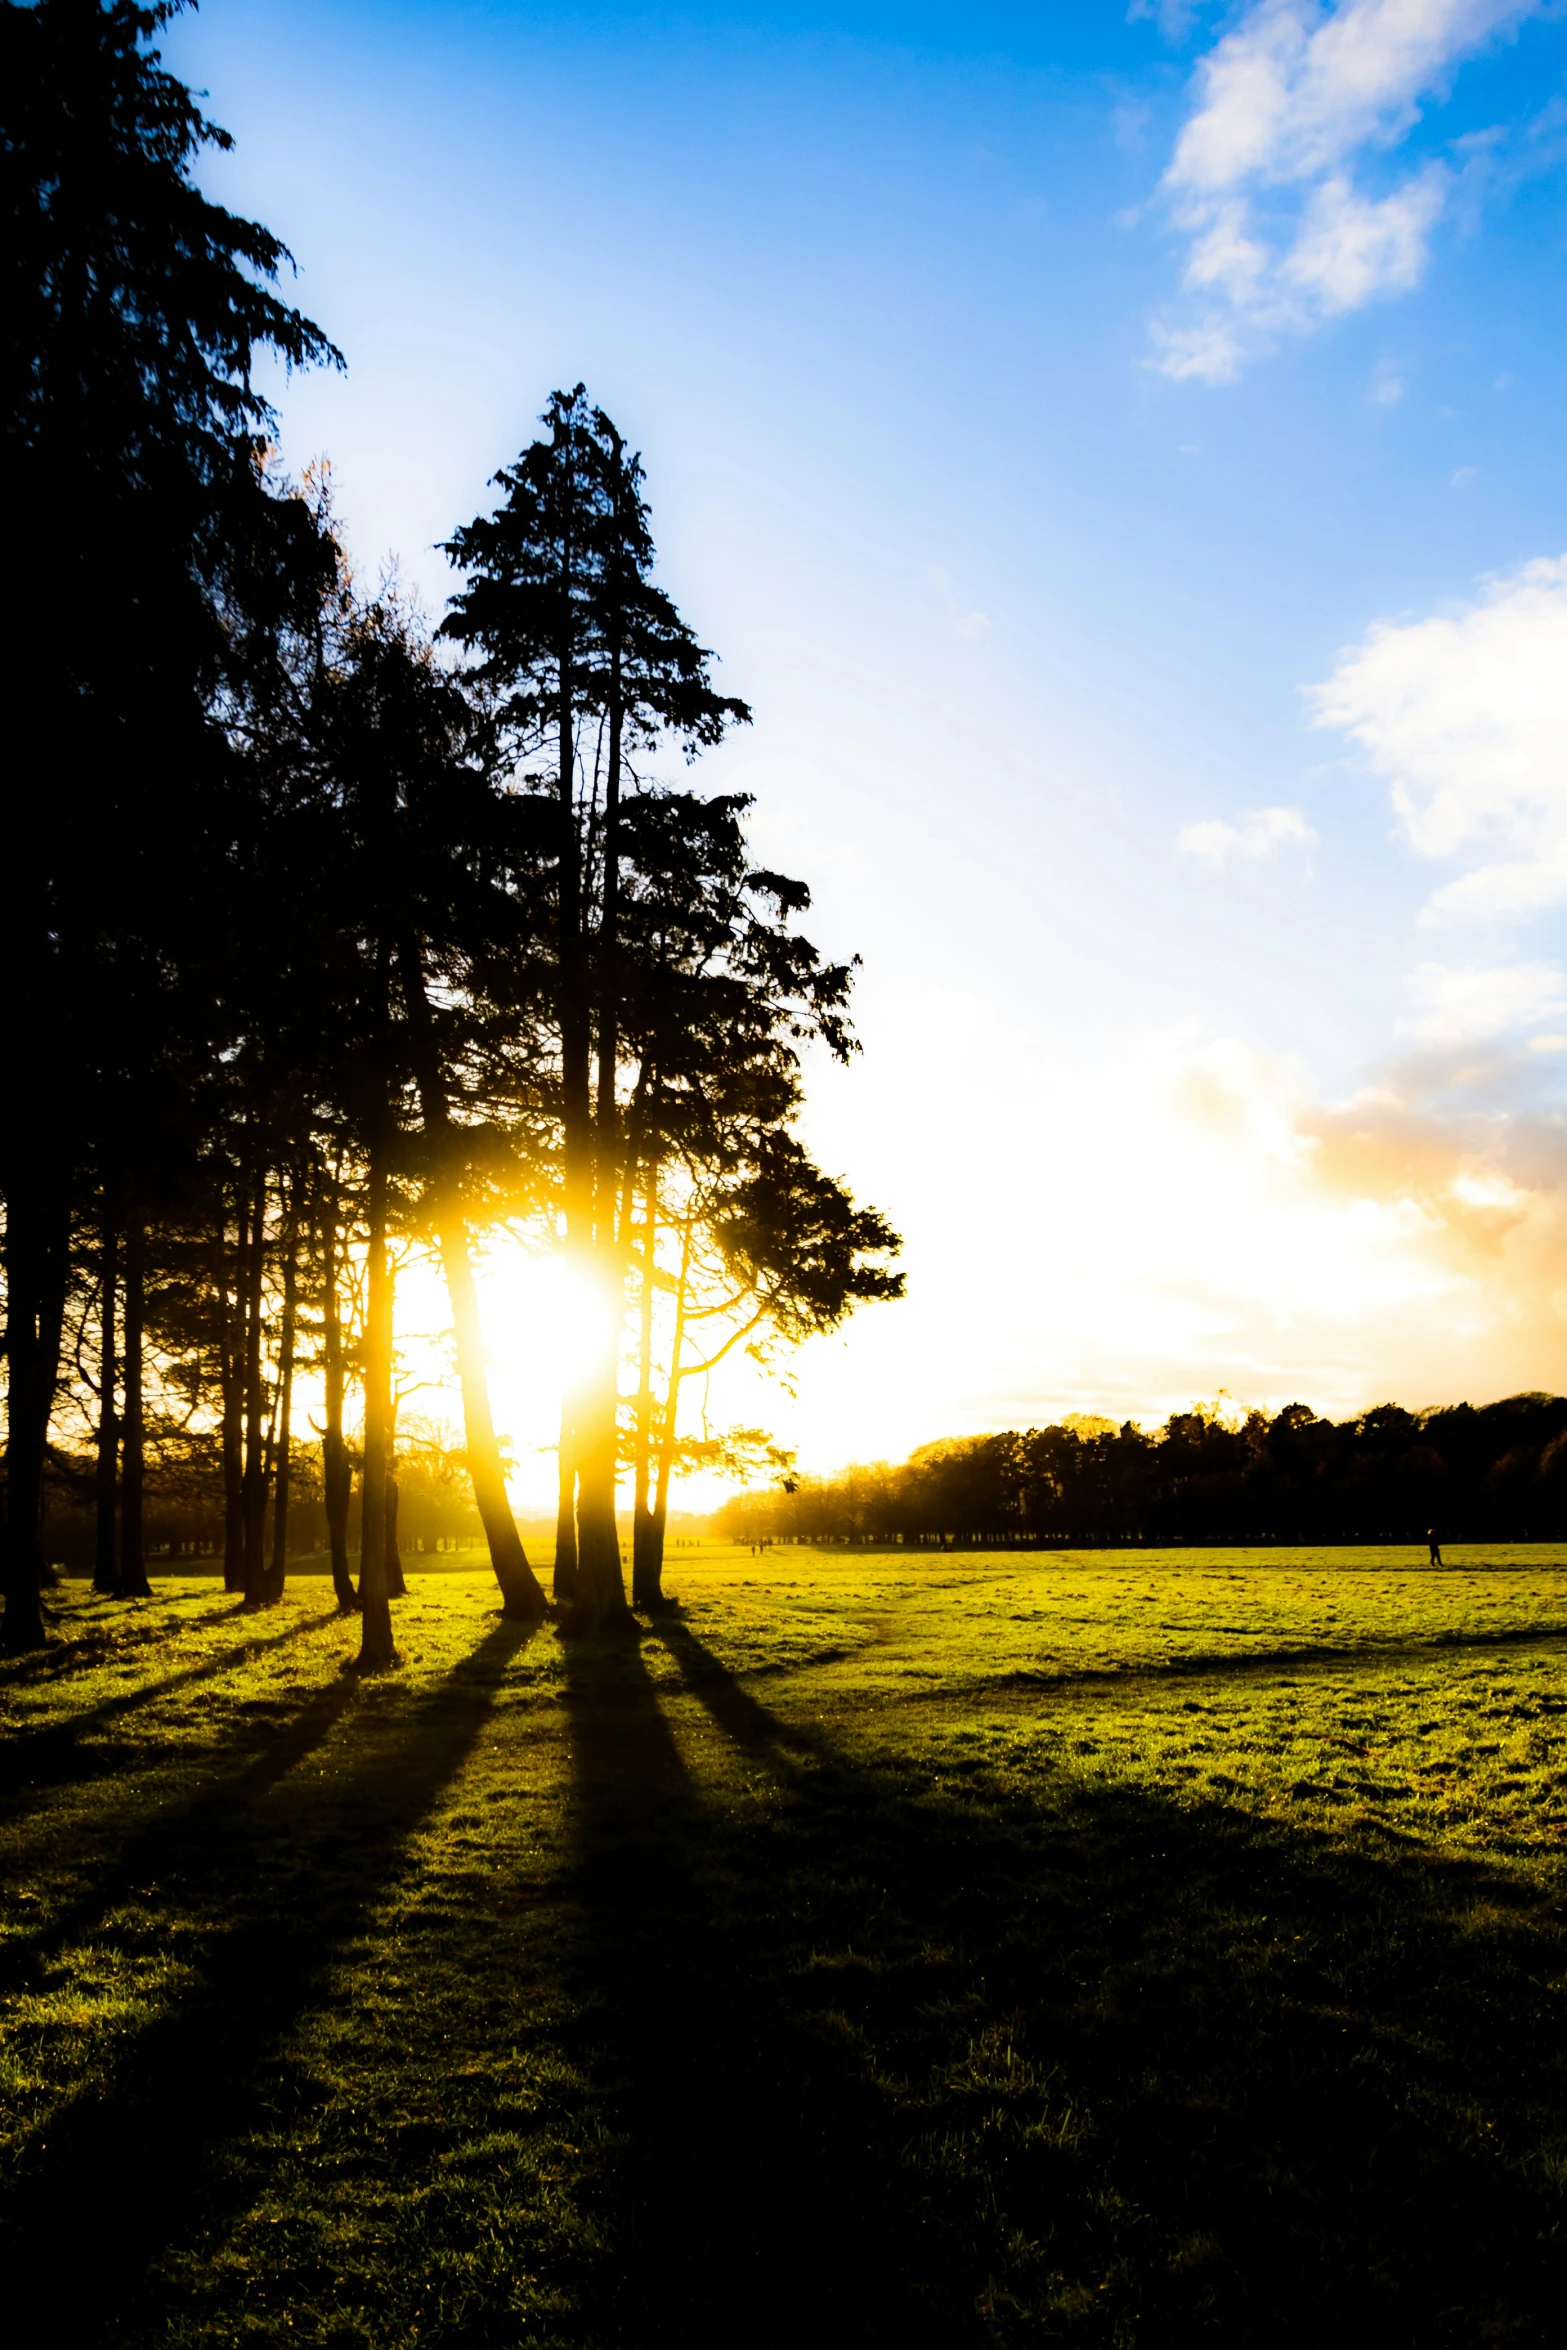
{"x":1097,"y":1948}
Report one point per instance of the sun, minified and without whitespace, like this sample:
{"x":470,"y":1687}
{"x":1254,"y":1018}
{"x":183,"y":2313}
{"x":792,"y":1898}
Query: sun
{"x":539,"y":1314}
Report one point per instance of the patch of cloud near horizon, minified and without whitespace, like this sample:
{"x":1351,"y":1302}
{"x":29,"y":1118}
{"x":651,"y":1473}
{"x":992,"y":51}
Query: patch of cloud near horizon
{"x":1260,"y":834}
{"x":1410,"y":1241}
{"x":1231,"y":1230}
{"x":1267,"y":178}
{"x":1435,"y":1198}
{"x":1464,"y":716}
{"x":1457,"y":1008}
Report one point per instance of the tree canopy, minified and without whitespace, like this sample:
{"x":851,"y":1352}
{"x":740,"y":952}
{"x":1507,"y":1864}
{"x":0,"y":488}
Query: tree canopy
{"x":333,"y":939}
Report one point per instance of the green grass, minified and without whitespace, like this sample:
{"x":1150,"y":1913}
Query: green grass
{"x":1118,"y":1948}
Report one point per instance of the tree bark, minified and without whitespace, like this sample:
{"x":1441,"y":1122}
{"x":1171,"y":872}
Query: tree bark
{"x":646,"y":1590}
{"x":396,"y":1584}
{"x":377,"y":1650}
{"x":106,"y":1477}
{"x":522,"y":1595}
{"x":337,"y":1476}
{"x":36,"y":1245}
{"x":133,"y":1565}
{"x":254,"y":1481}
{"x":668,"y":1429}
{"x":564,"y":1580}
{"x":600,"y":1591}
{"x":598,"y":1432}
{"x":666,"y":1456}
{"x":283,"y":1466}
{"x":230,"y":1374}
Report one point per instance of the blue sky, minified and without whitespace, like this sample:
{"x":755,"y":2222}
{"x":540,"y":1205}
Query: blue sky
{"x":1087,"y":439}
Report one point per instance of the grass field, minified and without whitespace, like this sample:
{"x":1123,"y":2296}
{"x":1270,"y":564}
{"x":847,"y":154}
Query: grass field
{"x":1095,"y":1948}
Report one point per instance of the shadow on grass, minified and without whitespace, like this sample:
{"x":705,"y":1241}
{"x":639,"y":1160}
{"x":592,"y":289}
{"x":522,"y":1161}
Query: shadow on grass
{"x":727,"y":2202}
{"x":135,"y":2163}
{"x":85,"y":1641}
{"x":1227,"y":1664}
{"x":50,"y":1756}
{"x":1045,"y":2059}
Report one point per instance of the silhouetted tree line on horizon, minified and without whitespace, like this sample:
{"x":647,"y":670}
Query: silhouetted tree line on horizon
{"x":329,"y":937}
{"x":1494,"y":1472}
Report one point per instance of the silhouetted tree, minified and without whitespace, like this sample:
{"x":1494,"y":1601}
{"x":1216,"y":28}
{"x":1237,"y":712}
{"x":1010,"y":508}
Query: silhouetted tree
{"x":129,"y":427}
{"x":589,"y":661}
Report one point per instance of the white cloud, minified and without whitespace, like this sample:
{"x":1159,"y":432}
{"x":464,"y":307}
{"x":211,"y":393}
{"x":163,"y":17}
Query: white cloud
{"x":1465,"y":715}
{"x":1287,"y":103}
{"x":1173,"y":17}
{"x":1261,"y":832}
{"x":1210,"y":353}
{"x":1350,"y":249}
{"x":1470,"y":1007}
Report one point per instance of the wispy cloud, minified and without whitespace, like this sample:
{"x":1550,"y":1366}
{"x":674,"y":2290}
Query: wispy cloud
{"x":963,"y":619}
{"x":1266,"y":181}
{"x":1465,"y":715}
{"x":1173,"y":17}
{"x":1260,"y":833}
{"x":1467,"y":1007}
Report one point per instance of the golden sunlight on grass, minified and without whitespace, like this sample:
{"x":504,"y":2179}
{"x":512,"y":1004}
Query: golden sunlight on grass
{"x":1090,"y":1947}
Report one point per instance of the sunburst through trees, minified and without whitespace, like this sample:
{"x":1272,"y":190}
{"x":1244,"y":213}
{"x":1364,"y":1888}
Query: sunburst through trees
{"x":332,"y":939}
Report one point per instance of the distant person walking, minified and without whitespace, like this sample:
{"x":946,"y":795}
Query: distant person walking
{"x":1436,"y":1547}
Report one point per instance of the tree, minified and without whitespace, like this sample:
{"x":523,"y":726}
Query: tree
{"x":775,"y":1252}
{"x":432,"y":851}
{"x":589,"y":661}
{"x":129,"y":427}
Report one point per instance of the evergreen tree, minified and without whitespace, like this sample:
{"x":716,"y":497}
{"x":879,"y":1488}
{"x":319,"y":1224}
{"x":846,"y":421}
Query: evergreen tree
{"x":129,"y":430}
{"x":588,"y":662}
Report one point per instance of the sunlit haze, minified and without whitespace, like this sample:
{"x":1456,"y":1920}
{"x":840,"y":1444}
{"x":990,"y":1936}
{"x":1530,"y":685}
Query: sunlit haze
{"x":1118,"y":454}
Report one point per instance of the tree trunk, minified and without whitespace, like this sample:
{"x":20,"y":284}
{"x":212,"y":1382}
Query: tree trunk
{"x":598,"y":1430}
{"x":133,"y":1567}
{"x":668,"y":1430}
{"x":600,"y":1591}
{"x":337,"y":1476}
{"x":645,"y":1579}
{"x":522,"y":1595}
{"x":396,"y":1585}
{"x":376,"y":1648}
{"x":231,"y":1378}
{"x":283,"y":1466}
{"x":106,"y":1478}
{"x":666,"y":1458}
{"x":396,"y":1581}
{"x":36,"y":1244}
{"x":254,"y":1482}
{"x":564,"y":1581}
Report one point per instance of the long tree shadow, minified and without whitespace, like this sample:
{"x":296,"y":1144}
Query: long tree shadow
{"x":736,"y":2201}
{"x":89,"y":1641}
{"x":51,"y":1756}
{"x":1059,"y":2059}
{"x":1324,"y":1656}
{"x":138,"y":2154}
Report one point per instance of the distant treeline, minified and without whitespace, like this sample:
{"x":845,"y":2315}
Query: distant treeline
{"x":1497,"y":1472}
{"x":429,"y":1502}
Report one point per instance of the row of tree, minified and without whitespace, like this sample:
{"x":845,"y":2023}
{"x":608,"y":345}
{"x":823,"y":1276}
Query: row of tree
{"x":1493,"y":1473}
{"x":329,"y":940}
